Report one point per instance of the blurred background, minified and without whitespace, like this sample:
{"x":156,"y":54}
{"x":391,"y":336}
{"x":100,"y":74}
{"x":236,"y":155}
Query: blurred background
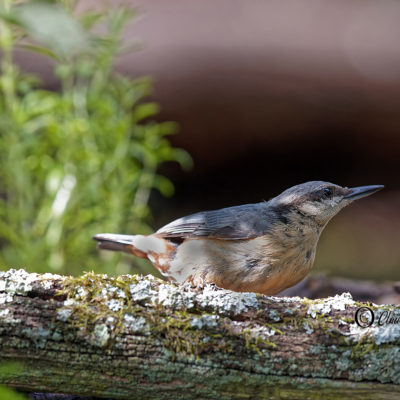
{"x":266,"y":94}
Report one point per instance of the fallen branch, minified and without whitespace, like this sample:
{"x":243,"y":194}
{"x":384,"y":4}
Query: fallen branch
{"x":139,"y":337}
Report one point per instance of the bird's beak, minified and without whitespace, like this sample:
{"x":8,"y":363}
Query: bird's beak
{"x":362,"y":191}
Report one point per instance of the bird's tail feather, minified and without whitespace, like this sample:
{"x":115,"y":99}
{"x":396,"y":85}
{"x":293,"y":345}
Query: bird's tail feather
{"x":114,"y":242}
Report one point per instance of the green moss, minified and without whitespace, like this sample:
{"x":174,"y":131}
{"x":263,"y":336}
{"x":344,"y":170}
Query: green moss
{"x":103,"y":307}
{"x":92,"y":295}
{"x":10,"y":369}
{"x":347,"y":320}
{"x":256,"y":343}
{"x":99,"y":306}
{"x":364,"y":345}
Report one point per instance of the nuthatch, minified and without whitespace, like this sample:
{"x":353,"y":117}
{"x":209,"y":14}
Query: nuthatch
{"x":264,"y":247}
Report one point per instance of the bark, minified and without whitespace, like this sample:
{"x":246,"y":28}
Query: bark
{"x":139,"y":337}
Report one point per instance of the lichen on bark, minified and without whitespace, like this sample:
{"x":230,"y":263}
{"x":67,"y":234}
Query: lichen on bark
{"x":134,"y":336}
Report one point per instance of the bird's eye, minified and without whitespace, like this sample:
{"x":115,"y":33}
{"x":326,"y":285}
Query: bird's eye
{"x":327,"y":192}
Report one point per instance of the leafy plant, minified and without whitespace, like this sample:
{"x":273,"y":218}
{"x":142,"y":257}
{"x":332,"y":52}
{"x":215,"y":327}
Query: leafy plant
{"x":10,"y":370}
{"x":10,"y":394}
{"x":80,"y":160}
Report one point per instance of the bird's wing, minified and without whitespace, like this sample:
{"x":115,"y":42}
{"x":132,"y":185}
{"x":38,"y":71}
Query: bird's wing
{"x":240,"y":222}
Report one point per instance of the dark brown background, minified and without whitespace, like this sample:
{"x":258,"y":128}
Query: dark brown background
{"x":269,"y":94}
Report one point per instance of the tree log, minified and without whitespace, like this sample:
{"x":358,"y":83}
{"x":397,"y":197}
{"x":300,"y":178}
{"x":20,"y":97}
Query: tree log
{"x":139,"y":337}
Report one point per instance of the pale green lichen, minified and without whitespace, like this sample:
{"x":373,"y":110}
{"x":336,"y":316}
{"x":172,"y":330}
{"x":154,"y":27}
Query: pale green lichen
{"x":136,"y":324}
{"x":4,"y":313}
{"x":114,"y":305}
{"x":189,"y":325}
{"x":19,"y":282}
{"x":141,"y":291}
{"x":7,"y":318}
{"x":263,"y":331}
{"x":65,"y":312}
{"x":176,"y":297}
{"x":389,"y":333}
{"x":101,"y":335}
{"x":308,"y":329}
{"x":37,"y":335}
{"x":6,"y":298}
{"x":324,"y":306}
{"x":205,"y":321}
{"x":226,"y":301}
{"x":274,"y":316}
{"x":169,"y":312}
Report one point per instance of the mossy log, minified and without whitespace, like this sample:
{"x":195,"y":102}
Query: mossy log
{"x":139,"y":337}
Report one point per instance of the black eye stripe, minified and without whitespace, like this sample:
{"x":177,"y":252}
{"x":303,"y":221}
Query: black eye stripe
{"x":327,"y":192}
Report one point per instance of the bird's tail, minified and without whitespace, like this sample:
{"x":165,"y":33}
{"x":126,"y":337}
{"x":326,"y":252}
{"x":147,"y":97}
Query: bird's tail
{"x":138,"y":245}
{"x":109,"y":241}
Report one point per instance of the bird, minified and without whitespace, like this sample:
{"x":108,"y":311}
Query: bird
{"x":263,"y":247}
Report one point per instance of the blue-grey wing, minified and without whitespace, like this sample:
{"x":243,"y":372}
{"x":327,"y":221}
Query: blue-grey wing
{"x":240,"y":222}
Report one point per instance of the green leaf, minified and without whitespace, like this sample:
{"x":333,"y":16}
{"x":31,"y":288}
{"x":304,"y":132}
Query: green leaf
{"x":145,"y":110}
{"x":10,"y":394}
{"x":53,"y":27}
{"x":183,"y":158}
{"x":38,"y":50}
{"x":164,"y":185}
{"x":168,"y":128}
{"x":88,"y":125}
{"x":7,"y":370}
{"x":91,"y":18}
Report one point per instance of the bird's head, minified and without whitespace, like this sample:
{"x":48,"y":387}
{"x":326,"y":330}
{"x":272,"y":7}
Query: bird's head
{"x":320,"y":200}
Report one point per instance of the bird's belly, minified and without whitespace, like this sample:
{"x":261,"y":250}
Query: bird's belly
{"x":240,"y":265}
{"x":292,"y":265}
{"x":216,"y":258}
